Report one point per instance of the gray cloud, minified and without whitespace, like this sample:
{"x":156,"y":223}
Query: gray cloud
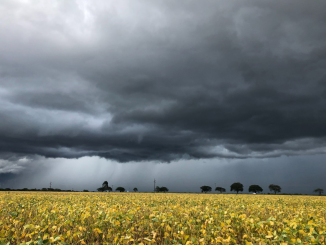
{"x":161,"y":81}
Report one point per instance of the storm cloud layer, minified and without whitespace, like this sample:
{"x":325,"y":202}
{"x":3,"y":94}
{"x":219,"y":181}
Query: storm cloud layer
{"x":162,"y":80}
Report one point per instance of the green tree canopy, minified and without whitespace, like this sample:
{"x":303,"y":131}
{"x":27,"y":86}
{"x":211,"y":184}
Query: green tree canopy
{"x":205,"y":188}
{"x":161,"y":189}
{"x":121,"y":189}
{"x":220,"y":189}
{"x":255,"y":188}
{"x":164,"y":189}
{"x":275,"y":188}
{"x":320,"y":191}
{"x":237,"y":187}
{"x":106,"y":186}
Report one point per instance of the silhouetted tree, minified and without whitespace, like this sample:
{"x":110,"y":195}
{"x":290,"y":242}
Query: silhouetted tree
{"x":121,"y":189}
{"x":106,"y":187}
{"x":237,"y":187}
{"x":255,"y":188}
{"x":319,"y":191}
{"x":135,"y":189}
{"x":205,"y":188}
{"x":164,"y":189}
{"x":220,"y":189}
{"x":85,"y":191}
{"x":44,"y":189}
{"x":161,"y":189}
{"x":275,"y":188}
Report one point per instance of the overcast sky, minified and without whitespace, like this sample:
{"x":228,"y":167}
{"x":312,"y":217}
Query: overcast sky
{"x":187,"y":92}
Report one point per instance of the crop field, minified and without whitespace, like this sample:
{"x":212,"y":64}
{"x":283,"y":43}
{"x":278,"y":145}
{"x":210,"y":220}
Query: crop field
{"x":147,"y":218}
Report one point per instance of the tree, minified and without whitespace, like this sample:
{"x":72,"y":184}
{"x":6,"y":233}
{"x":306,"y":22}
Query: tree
{"x":255,"y":188}
{"x":161,"y":189}
{"x":164,"y":189}
{"x":121,"y":189}
{"x":220,"y":189}
{"x":135,"y":189}
{"x":319,"y":191}
{"x":106,"y":186}
{"x":237,"y":187}
{"x":205,"y":188}
{"x":275,"y":188}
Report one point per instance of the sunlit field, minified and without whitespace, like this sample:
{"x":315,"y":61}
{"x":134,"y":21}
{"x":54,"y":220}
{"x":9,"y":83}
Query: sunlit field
{"x":138,"y":218}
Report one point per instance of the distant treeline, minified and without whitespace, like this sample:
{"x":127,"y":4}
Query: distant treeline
{"x":135,"y":189}
{"x":43,"y":189}
{"x":238,"y":187}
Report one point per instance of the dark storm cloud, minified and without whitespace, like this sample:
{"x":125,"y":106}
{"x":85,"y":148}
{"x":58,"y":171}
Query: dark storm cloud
{"x":162,"y":80}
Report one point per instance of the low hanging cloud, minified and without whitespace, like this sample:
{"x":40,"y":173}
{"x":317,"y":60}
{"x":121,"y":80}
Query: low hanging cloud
{"x":163,"y":80}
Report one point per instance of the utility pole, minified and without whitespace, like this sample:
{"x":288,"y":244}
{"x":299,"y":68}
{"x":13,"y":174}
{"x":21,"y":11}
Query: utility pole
{"x":215,"y":186}
{"x":154,"y":184}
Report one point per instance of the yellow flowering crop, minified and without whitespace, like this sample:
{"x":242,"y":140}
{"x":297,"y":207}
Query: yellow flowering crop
{"x":138,"y":218}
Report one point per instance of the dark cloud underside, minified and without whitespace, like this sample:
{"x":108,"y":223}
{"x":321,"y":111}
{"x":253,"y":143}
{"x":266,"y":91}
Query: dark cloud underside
{"x":162,"y":80}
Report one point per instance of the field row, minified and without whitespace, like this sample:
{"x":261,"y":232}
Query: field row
{"x":138,"y":218}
